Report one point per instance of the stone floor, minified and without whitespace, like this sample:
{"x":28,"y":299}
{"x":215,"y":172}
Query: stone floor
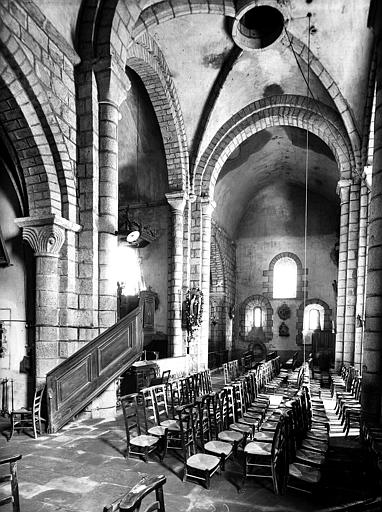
{"x":82,"y":468}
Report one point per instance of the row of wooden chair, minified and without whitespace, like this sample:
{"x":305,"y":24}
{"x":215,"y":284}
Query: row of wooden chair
{"x":346,"y":390}
{"x":292,"y":443}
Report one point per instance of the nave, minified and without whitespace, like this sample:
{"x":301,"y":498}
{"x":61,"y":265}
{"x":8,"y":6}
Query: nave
{"x":83,"y":467}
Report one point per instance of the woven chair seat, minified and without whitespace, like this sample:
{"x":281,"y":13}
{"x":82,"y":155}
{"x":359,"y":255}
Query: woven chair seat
{"x":266,"y":437}
{"x":171,"y":425}
{"x":157,"y":430}
{"x":305,"y":473}
{"x":218,"y":447}
{"x":311,"y":457}
{"x":258,"y":448}
{"x":202,"y":461}
{"x":230,"y":436}
{"x":143,"y":440}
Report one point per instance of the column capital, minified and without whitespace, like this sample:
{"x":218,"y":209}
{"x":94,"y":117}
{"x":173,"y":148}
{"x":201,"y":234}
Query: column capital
{"x":46,"y":233}
{"x":177,"y":200}
{"x":113,"y":83}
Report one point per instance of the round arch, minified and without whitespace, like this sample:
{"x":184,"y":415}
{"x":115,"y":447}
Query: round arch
{"x":52,"y":161}
{"x":108,"y":28}
{"x":300,"y":314}
{"x":286,"y":110}
{"x":252,"y":302}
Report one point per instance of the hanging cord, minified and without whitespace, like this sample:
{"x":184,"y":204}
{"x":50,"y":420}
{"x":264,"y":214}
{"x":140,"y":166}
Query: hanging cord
{"x":306,"y":181}
{"x":363,"y":180}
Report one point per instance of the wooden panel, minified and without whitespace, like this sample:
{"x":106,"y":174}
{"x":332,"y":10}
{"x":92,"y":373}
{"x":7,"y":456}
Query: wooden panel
{"x":74,"y":383}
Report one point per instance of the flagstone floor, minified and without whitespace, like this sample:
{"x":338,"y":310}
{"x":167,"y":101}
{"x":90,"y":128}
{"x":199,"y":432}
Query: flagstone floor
{"x":82,"y":468}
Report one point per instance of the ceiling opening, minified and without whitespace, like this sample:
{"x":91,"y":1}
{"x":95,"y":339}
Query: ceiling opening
{"x":257,"y":27}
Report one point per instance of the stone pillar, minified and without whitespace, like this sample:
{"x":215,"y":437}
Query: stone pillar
{"x":361,"y":275}
{"x":343,"y":190}
{"x":177,"y":201}
{"x":208,"y":207}
{"x":46,"y":236}
{"x":351,"y":272}
{"x":113,"y":85}
{"x":372,"y":348}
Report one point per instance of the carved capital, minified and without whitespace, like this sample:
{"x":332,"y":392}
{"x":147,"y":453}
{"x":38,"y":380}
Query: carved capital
{"x":46,"y":235}
{"x":177,"y":201}
{"x":113,"y":83}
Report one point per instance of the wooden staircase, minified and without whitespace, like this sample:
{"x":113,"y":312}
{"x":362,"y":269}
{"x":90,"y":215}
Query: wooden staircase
{"x":80,"y":378}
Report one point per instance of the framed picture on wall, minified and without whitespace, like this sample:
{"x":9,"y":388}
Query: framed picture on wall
{"x":4,"y":258}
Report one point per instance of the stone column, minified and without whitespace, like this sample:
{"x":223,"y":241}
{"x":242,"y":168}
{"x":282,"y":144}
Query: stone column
{"x":46,"y":235}
{"x":208,"y":207}
{"x":113,"y":85}
{"x":361,"y":275}
{"x":351,"y":272}
{"x":343,"y":190}
{"x":177,"y":201}
{"x":372,"y":349}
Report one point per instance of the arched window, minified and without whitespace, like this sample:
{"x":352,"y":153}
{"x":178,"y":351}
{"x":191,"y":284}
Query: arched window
{"x":314,"y":319}
{"x":258,"y":317}
{"x":285,"y":279}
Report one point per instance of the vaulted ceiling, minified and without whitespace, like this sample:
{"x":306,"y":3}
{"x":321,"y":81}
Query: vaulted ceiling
{"x":215,"y":78}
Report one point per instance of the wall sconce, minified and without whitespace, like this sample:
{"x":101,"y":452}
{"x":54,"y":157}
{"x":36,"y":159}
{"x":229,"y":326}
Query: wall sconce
{"x":133,"y":233}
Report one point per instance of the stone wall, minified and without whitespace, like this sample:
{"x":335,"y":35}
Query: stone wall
{"x":274,"y":224}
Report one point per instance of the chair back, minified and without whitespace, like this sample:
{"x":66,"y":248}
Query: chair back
{"x":187,"y":417}
{"x":131,"y":502}
{"x":159,"y":399}
{"x":165,"y":376}
{"x":279,"y":456}
{"x":203,"y":427}
{"x":37,"y":400}
{"x":149,"y":407}
{"x":129,"y":405}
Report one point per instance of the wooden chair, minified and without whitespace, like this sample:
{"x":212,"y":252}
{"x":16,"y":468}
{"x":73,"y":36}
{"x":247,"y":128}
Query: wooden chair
{"x":12,"y":478}
{"x":219,"y":421}
{"x":221,"y":449}
{"x":132,"y":501}
{"x":197,"y":466}
{"x":22,"y":419}
{"x":268,"y":460}
{"x":161,"y":380}
{"x":138,"y":445}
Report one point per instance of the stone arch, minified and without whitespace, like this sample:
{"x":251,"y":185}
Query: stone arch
{"x":263,"y":302}
{"x":108,"y":35}
{"x":52,"y":156}
{"x":268,"y":275}
{"x":41,"y":185}
{"x":300,"y":314}
{"x":330,"y":85}
{"x":284,"y":110}
{"x":147,"y":60}
{"x":167,"y":10}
